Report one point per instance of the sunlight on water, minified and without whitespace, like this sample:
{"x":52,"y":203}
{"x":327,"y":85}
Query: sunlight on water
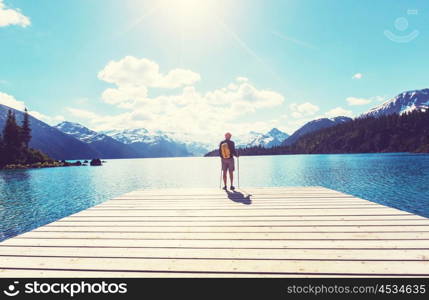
{"x":30,"y":198}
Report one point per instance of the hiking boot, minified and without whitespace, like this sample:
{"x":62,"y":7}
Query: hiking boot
{"x":232,"y":188}
{"x":224,"y":188}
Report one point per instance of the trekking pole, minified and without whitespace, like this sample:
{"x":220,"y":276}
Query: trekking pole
{"x":238,"y":173}
{"x":220,"y":180}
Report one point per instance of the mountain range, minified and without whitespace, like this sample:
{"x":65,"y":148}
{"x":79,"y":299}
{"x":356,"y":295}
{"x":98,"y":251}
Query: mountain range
{"x":406,"y":102}
{"x":151,"y":144}
{"x":104,"y":145}
{"x":142,"y":142}
{"x":69,"y":140}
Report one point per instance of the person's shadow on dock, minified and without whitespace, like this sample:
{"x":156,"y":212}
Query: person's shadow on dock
{"x":239,"y":197}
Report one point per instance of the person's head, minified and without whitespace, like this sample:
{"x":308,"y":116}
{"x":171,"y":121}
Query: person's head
{"x":228,"y":136}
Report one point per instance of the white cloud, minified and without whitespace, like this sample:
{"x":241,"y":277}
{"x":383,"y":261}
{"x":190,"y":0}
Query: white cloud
{"x":201,"y":115}
{"x":47,"y":119}
{"x":132,"y":72}
{"x":339,"y":111}
{"x":302,"y":110}
{"x":357,"y":76}
{"x":134,"y":119}
{"x":290,"y":125}
{"x":9,"y":16}
{"x":357,"y":101}
{"x":81,"y":113}
{"x":242,"y":79}
{"x":81,"y":100}
{"x":244,"y":98}
{"x":296,"y":115}
{"x":133,"y":76}
{"x":125,"y":96}
{"x":10,"y":101}
{"x":379,"y":98}
{"x":123,"y":120}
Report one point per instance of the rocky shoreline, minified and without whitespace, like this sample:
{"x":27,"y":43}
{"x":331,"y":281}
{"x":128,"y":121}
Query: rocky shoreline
{"x":54,"y":164}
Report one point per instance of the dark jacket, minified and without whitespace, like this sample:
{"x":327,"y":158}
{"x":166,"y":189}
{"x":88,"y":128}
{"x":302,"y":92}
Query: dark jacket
{"x":231,"y":147}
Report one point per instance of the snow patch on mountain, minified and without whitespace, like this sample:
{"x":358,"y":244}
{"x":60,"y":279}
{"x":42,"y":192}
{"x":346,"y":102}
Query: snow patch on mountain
{"x":138,"y":135}
{"x":80,"y":132}
{"x":272,"y":138}
{"x":155,"y":137}
{"x":403,"y":103}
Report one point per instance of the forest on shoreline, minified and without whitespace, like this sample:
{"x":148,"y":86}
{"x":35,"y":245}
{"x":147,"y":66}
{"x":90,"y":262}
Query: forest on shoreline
{"x":408,"y":132}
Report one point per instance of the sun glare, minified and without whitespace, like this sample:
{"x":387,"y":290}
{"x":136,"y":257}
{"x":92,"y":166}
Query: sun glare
{"x":191,"y":11}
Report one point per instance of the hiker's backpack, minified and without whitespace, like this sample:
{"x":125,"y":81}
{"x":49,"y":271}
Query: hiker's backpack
{"x":224,"y":150}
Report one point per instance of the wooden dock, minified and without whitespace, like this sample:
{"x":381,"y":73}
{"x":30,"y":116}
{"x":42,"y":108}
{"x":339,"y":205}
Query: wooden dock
{"x":255,"y":232}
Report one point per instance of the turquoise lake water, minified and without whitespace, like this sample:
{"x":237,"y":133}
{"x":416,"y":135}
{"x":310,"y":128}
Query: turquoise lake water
{"x":31,"y":198}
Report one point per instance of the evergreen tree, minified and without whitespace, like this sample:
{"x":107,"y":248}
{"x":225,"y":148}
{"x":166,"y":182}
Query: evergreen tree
{"x":26,"y":130}
{"x":14,"y":143}
{"x":12,"y":139}
{"x":2,"y":153}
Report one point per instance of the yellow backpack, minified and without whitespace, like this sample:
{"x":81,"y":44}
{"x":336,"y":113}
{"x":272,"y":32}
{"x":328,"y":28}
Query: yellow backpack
{"x":224,"y":149}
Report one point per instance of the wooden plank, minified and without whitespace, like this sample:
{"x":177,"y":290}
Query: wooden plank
{"x":237,"y":213}
{"x":223,"y":196}
{"x":230,"y":227}
{"x":233,"y":203}
{"x":287,"y":254}
{"x":383,"y":217}
{"x":221,"y":266}
{"x":225,"y":208}
{"x":176,"y":191}
{"x":230,"y":202}
{"x":258,"y":244}
{"x":25,"y":273}
{"x":126,"y":234}
{"x":281,"y":193}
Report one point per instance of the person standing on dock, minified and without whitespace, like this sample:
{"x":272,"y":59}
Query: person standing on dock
{"x":227,"y":152}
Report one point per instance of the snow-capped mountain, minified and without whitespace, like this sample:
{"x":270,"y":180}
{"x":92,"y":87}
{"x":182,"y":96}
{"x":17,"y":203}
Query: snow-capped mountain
{"x":196,"y":148}
{"x":272,"y":138}
{"x":138,"y":135}
{"x":104,"y":145}
{"x":313,"y":126}
{"x":402,"y":103}
{"x":159,"y":143}
{"x":135,"y":143}
{"x":245,"y":140}
{"x":80,"y":132}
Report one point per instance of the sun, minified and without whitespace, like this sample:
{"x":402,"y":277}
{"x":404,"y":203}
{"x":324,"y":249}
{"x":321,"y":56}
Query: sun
{"x":191,"y":6}
{"x":191,"y":11}
{"x":191,"y":16}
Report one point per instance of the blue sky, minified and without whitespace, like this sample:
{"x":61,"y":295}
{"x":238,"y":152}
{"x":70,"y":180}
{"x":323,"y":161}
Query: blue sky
{"x":173,"y":64}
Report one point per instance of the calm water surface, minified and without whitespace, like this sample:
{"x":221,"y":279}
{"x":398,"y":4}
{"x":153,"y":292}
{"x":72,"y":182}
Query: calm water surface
{"x":30,"y":198}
